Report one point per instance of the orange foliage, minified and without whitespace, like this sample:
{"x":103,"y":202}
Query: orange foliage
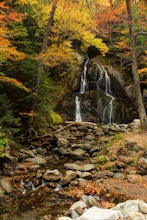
{"x":8,"y":51}
{"x":14,"y":82}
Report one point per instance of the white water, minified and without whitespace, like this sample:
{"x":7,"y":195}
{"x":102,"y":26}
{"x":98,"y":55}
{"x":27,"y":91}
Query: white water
{"x":83,"y":78}
{"x":78,"y":109}
{"x":108,"y":109}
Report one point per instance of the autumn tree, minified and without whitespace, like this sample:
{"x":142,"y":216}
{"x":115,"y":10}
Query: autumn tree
{"x":140,"y":105}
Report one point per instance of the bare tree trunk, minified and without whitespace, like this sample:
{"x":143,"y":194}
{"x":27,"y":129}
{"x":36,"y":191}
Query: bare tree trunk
{"x":140,"y":105}
{"x":45,"y":42}
{"x":40,"y":66}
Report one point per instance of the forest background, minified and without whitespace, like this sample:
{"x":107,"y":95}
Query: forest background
{"x":40,"y":45}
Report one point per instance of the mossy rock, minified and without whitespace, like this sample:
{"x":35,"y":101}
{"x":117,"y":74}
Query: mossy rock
{"x":55,"y":119}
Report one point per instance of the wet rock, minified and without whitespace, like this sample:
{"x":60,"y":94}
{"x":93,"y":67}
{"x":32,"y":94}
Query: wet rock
{"x":74,"y":214}
{"x":39,"y":174}
{"x":89,"y":137}
{"x":33,"y":167}
{"x":85,"y":199}
{"x":36,"y":160}
{"x":85,"y":175}
{"x":62,"y":142}
{"x":64,"y":151}
{"x":79,"y":167}
{"x":52,"y":175}
{"x":41,"y":150}
{"x":92,"y":201}
{"x":78,"y":153}
{"x":80,"y":204}
{"x":8,"y":170}
{"x":28,"y":153}
{"x":21,"y":167}
{"x":28,"y":186}
{"x":6,"y":185}
{"x":94,"y":149}
{"x":69,"y":176}
{"x":99,"y":133}
{"x":75,"y":146}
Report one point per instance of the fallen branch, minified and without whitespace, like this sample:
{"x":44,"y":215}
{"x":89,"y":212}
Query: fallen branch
{"x":70,"y":123}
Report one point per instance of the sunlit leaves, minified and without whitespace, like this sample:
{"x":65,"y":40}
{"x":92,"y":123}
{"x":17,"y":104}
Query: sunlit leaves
{"x":14,"y":82}
{"x":7,"y":50}
{"x":56,"y":55}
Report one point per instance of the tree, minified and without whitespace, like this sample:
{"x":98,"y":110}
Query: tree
{"x":140,"y":105}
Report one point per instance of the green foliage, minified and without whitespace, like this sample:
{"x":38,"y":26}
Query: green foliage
{"x":8,"y":121}
{"x":135,"y":161}
{"x":102,"y":159}
{"x":117,"y":137}
{"x":4,"y":141}
{"x":104,"y":145}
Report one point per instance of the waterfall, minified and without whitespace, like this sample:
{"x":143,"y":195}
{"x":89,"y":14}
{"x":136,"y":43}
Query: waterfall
{"x":83,"y":88}
{"x":83,"y":78}
{"x":78,"y":109}
{"x":108,"y":108}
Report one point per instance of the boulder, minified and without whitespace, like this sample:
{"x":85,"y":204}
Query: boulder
{"x":78,"y":153}
{"x":52,"y":175}
{"x":69,"y":176}
{"x":6,"y":185}
{"x":62,"y":142}
{"x":36,"y":160}
{"x":79,"y":167}
{"x":95,"y":213}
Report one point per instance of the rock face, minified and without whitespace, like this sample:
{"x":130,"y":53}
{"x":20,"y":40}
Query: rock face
{"x":94,"y":101}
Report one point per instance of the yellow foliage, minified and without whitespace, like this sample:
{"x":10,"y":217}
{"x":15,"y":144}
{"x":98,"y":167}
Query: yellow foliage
{"x":72,"y":20}
{"x":14,"y":82}
{"x":55,"y":55}
{"x":143,"y":70}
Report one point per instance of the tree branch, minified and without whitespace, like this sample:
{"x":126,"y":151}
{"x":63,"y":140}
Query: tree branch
{"x":140,"y":33}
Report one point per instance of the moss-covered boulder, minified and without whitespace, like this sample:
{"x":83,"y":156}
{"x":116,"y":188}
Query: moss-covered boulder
{"x":55,"y":118}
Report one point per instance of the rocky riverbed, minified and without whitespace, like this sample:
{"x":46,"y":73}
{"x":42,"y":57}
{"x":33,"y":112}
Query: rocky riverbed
{"x":43,"y":179}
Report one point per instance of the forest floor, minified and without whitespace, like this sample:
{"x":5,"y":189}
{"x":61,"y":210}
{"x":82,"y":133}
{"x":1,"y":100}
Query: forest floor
{"x":120,"y":189}
{"x":135,"y":186}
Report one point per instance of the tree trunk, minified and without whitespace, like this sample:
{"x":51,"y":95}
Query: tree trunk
{"x":140,"y":104}
{"x":40,"y":66}
{"x":45,"y":42}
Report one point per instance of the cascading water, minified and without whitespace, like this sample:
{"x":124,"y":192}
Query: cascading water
{"x":78,"y":109}
{"x":102,"y":91}
{"x":84,"y":78}
{"x":108,"y":108}
{"x":83,"y":88}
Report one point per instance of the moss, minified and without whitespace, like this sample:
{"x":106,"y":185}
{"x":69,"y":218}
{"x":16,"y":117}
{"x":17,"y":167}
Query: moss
{"x":117,"y":137}
{"x":135,"y":161}
{"x":55,"y":118}
{"x":102,"y":159}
